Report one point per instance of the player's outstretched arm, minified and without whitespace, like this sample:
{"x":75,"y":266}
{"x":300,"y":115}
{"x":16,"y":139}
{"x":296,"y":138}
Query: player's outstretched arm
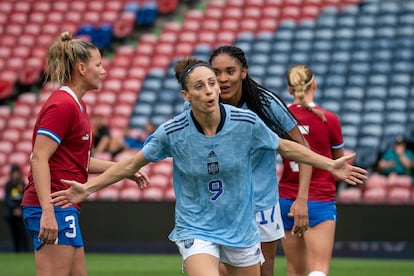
{"x":78,"y":192}
{"x":340,"y":167}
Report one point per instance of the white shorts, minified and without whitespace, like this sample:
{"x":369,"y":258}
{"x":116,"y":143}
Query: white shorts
{"x":270,"y":224}
{"x":235,"y":256}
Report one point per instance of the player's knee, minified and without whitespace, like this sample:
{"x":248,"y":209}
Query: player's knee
{"x":316,"y":273}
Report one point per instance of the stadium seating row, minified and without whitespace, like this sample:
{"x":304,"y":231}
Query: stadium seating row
{"x":380,"y":189}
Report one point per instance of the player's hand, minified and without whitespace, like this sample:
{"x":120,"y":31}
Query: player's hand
{"x":299,"y":211}
{"x":141,"y":178}
{"x":352,"y":175}
{"x":48,"y":231}
{"x":75,"y":194}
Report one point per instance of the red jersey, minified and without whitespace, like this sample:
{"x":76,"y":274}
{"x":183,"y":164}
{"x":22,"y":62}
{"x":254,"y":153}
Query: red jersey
{"x":322,"y":138}
{"x":64,"y":120}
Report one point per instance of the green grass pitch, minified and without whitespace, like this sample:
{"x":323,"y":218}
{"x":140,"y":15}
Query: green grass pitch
{"x":170,"y":265}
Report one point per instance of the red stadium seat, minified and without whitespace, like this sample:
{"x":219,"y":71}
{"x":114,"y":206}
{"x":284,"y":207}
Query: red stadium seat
{"x":375,"y":195}
{"x":225,"y":38}
{"x":118,"y":121}
{"x":143,"y":58}
{"x":3,"y":160}
{"x":112,"y":84}
{"x":192,"y":25}
{"x":130,"y":194}
{"x":403,"y":181}
{"x":103,"y":109}
{"x":17,"y":122}
{"x":163,"y":167}
{"x":42,"y":6}
{"x":168,"y":37}
{"x":113,"y":5}
{"x":11,"y":134}
{"x":213,"y":12}
{"x":124,"y":26}
{"x":27,"y":134}
{"x":18,"y":157}
{"x":90,"y":98}
{"x":24,"y":146}
{"x":107,"y":96}
{"x":124,"y":109}
{"x":152,"y":193}
{"x":169,"y":194}
{"x":310,"y":11}
{"x":159,"y":180}
{"x":5,"y":52}
{"x":183,"y":49}
{"x":109,"y":17}
{"x":165,"y":48}
{"x":102,"y":155}
{"x":167,"y":6}
{"x":6,"y":6}
{"x":350,"y":195}
{"x":252,"y":12}
{"x":210,"y":25}
{"x":27,"y":98}
{"x":19,"y":17}
{"x":399,"y":195}
{"x":233,"y":12}
{"x":22,"y":109}
{"x":3,"y":122}
{"x":376,"y":180}
{"x":109,"y":193}
{"x":172,"y":27}
{"x":95,"y":5}
{"x":32,"y":71}
{"x":131,"y":84}
{"x":78,"y":5}
{"x":161,"y":61}
{"x":122,"y":155}
{"x":6,"y":89}
{"x":128,"y":97}
{"x":207,"y":37}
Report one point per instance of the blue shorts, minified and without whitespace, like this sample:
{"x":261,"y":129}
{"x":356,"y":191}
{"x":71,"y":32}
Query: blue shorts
{"x":68,"y":225}
{"x":319,"y":211}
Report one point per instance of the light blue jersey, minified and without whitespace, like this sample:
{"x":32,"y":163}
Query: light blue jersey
{"x":264,"y":161}
{"x":212,"y":175}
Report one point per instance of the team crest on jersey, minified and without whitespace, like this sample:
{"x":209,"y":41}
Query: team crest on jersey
{"x":188,"y":243}
{"x":213,"y":168}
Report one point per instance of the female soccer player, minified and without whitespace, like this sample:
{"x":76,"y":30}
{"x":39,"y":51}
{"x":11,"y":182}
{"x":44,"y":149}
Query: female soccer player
{"x":62,"y":141}
{"x":239,"y":89}
{"x":322,"y":129}
{"x":211,"y":147}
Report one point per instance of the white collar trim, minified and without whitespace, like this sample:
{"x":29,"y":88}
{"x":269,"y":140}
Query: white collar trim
{"x":70,"y":92}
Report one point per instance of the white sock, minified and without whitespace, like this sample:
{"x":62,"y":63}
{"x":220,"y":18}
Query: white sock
{"x":317,"y":273}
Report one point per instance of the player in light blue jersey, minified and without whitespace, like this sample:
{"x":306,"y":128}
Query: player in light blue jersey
{"x":239,"y":89}
{"x":211,"y":146}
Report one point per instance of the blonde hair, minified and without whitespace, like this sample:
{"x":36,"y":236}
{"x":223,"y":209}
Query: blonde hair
{"x":63,"y":55}
{"x":299,"y":79}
